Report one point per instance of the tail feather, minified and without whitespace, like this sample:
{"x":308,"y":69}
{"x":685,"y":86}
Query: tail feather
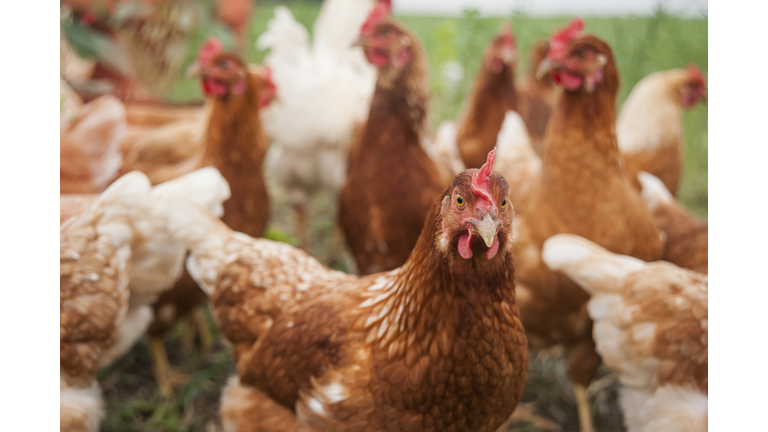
{"x":287,"y":39}
{"x":159,"y":259}
{"x":444,"y":151}
{"x":592,"y":267}
{"x":515,"y":158}
{"x":654,"y":192}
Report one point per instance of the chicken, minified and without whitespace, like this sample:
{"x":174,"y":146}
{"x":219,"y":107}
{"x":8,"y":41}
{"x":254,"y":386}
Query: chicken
{"x":118,"y":246}
{"x":436,"y":344}
{"x":686,"y":237}
{"x":651,"y":328}
{"x":582,"y":190}
{"x":492,"y":95}
{"x":392,"y":181}
{"x":95,"y":250}
{"x":650,"y":124}
{"x":311,"y":142}
{"x":235,"y":144}
{"x":90,"y":144}
{"x":535,"y":95}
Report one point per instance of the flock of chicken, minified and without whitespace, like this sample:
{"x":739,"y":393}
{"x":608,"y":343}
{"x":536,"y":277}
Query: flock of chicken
{"x":537,"y":219}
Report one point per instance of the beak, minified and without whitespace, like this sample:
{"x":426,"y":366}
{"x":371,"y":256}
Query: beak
{"x":509,"y":55}
{"x":704,"y":95}
{"x":546,"y":66}
{"x":361,"y":41}
{"x":195,"y":70}
{"x":486,"y":229}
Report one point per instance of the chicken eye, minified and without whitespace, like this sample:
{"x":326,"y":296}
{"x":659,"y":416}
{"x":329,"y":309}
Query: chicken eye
{"x":504,"y":203}
{"x":460,"y":201}
{"x":224,"y":64}
{"x":582,"y":54}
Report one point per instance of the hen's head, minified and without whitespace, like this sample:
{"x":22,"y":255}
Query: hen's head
{"x":576,"y":60}
{"x":221,"y":74}
{"x":386,"y":44}
{"x":476,"y":213}
{"x":693,"y":88}
{"x":502,"y":51}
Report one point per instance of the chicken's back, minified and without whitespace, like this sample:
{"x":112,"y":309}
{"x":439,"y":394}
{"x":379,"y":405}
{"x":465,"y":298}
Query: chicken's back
{"x":651,"y":324}
{"x":90,"y":149}
{"x":649,"y":129}
{"x":686,"y":237}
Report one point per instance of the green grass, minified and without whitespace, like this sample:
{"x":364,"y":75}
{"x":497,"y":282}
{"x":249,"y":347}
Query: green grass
{"x":641,"y":46}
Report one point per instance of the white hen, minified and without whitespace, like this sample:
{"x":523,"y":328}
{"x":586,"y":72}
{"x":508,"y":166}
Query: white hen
{"x":323,"y":93}
{"x":651,"y":328}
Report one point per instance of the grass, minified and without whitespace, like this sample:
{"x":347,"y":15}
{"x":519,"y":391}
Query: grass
{"x":641,"y":45}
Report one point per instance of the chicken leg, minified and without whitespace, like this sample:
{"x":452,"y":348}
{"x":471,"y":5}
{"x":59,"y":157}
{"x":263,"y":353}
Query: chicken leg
{"x":582,"y":404}
{"x":301,"y":225}
{"x":166,"y":377}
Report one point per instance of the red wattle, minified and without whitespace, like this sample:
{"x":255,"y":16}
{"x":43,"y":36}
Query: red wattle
{"x":464,"y":249}
{"x":570,"y":81}
{"x":493,"y":249}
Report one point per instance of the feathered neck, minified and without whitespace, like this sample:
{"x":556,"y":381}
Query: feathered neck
{"x":234,"y":123}
{"x":403,"y":96}
{"x":434,"y":292}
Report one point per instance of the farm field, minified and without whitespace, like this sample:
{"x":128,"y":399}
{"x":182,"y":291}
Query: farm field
{"x":641,"y":45}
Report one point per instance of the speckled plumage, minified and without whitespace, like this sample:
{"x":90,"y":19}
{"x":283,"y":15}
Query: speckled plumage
{"x":435,"y":345}
{"x":95,"y":250}
{"x":651,"y":328}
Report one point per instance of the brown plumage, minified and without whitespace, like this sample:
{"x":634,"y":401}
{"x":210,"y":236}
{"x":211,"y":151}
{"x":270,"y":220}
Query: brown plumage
{"x":582,"y":190}
{"x":651,"y":328}
{"x":95,"y":250}
{"x":535,"y":96}
{"x":492,"y":95}
{"x":686,"y":237}
{"x":435,"y":345}
{"x":391,"y":181}
{"x":650,"y":124}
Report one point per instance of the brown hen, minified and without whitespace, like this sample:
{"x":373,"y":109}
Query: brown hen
{"x":391,"y":181}
{"x":650,"y":124}
{"x":581,"y":189}
{"x":435,"y":345}
{"x":492,"y":95}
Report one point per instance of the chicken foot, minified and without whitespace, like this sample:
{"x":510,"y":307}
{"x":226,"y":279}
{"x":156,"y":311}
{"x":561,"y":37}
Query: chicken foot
{"x":165,"y":376}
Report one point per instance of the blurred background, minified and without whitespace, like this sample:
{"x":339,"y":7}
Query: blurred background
{"x":645,"y":35}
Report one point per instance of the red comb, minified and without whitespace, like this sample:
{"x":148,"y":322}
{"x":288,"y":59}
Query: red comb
{"x":506,"y":32}
{"x":481,"y":184}
{"x":559,"y":39}
{"x":377,"y":15}
{"x":209,"y":49}
{"x":694,"y":72}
